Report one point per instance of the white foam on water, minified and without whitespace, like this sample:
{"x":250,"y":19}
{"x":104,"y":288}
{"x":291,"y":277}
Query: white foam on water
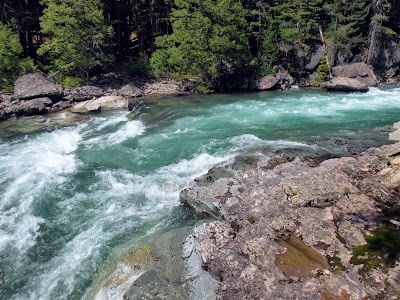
{"x":117,"y":201}
{"x":323,"y":105}
{"x":128,"y":130}
{"x":107,"y":122}
{"x":115,"y":208}
{"x":374,"y":99}
{"x":30,"y":167}
{"x":160,"y":189}
{"x":249,"y":141}
{"x":73,"y":264}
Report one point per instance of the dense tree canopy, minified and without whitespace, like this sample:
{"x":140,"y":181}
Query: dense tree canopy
{"x":11,"y":62}
{"x":76,"y":33}
{"x":210,"y":41}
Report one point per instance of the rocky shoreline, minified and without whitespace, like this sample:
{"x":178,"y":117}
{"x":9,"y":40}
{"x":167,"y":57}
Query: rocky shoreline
{"x":35,"y":94}
{"x":281,"y":227}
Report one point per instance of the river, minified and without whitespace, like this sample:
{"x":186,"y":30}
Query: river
{"x":76,"y":198}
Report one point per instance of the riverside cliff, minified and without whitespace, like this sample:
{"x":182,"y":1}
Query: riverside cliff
{"x":284,"y":228}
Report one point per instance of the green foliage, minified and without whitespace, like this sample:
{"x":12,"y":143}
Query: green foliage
{"x":202,"y":89}
{"x":140,"y":65}
{"x":72,"y":82}
{"x":12,"y":64}
{"x":347,"y":29}
{"x":208,"y":41}
{"x":382,"y":249}
{"x":218,"y":43}
{"x":321,"y":73}
{"x":251,"y":219}
{"x":77,"y":36}
{"x":297,"y":22}
{"x":269,"y":53}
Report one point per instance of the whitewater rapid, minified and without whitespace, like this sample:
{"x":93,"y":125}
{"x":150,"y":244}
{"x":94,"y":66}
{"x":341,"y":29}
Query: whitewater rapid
{"x":72,"y":200}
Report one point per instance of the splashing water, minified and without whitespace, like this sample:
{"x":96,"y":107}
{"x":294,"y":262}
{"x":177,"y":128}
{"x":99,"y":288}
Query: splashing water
{"x":74,"y":199}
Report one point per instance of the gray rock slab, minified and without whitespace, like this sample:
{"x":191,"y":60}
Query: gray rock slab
{"x":360,"y":71}
{"x":100,"y":104}
{"x":395,"y":136}
{"x":34,"y":85}
{"x":344,"y":84}
{"x":331,"y":206}
{"x":83,"y":93}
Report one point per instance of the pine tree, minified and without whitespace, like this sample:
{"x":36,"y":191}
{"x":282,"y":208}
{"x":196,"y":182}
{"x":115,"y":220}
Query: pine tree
{"x":11,"y":63}
{"x":77,"y":36}
{"x":346,"y":30}
{"x":208,"y":41}
{"x":297,"y":22}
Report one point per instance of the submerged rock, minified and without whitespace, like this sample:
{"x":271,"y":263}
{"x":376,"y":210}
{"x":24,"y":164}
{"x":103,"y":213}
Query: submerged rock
{"x":33,"y":124}
{"x":134,"y":104}
{"x":175,"y":271}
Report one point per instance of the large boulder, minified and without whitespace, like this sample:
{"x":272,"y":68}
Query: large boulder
{"x":35,"y":106}
{"x":83,"y":93}
{"x":130,"y":90}
{"x":388,"y":61}
{"x":344,"y":84}
{"x":268,"y":82}
{"x":282,"y":80}
{"x":34,"y":85}
{"x":360,"y":71}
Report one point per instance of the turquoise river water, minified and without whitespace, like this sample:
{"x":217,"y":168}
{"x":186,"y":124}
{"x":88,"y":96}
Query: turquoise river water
{"x":74,"y":199}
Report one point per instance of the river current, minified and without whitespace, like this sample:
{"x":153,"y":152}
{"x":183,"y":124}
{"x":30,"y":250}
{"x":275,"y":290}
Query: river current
{"x":74,"y":199}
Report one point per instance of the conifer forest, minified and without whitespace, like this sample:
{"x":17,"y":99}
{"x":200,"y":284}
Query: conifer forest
{"x":213,"y":42}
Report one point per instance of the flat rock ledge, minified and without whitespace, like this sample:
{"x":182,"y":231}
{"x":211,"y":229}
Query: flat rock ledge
{"x":344,"y":84}
{"x":289,"y":230}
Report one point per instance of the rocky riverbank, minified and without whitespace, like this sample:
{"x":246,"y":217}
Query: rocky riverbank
{"x":290,"y":228}
{"x":35,"y":94}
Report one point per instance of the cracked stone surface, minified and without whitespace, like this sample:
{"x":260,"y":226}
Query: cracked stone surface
{"x":330,"y":206}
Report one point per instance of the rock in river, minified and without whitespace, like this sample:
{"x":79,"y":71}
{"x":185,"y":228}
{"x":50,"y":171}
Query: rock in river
{"x":344,"y":84}
{"x":97,"y":105}
{"x":360,"y":71}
